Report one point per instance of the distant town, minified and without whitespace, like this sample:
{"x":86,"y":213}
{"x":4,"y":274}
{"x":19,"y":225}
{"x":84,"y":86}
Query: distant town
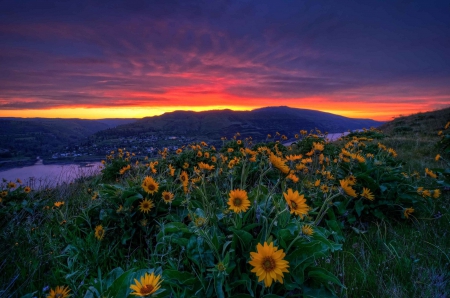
{"x":141,"y":146}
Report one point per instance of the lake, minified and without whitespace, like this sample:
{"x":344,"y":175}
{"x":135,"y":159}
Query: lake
{"x":40,"y":175}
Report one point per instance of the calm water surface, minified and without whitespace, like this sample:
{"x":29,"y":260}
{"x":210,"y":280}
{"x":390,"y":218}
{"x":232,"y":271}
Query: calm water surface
{"x":40,"y":175}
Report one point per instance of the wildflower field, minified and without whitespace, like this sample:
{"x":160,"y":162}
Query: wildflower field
{"x":348,"y":218}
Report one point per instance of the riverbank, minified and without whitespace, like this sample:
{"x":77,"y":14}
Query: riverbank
{"x":42,"y":175}
{"x":7,"y":164}
{"x":77,"y":160}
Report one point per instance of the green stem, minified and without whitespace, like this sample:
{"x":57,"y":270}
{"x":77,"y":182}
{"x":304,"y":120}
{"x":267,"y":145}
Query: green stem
{"x":274,"y":219}
{"x":325,"y":206}
{"x":293,"y":241}
{"x":271,"y":192}
{"x":242,"y":175}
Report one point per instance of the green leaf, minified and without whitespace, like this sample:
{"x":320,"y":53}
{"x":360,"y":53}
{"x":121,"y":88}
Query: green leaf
{"x":103,"y":214}
{"x":179,"y":278}
{"x":92,"y":292}
{"x":225,"y":245}
{"x":338,"y":235}
{"x":291,"y":286}
{"x":327,"y":244}
{"x":175,"y":227}
{"x":284,"y":236}
{"x":197,"y":253}
{"x":324,"y":275}
{"x":244,"y":237}
{"x":29,"y":210}
{"x":368,"y":181}
{"x":180,"y":241}
{"x":218,"y":285}
{"x":130,"y":200}
{"x":237,"y":283}
{"x":127,"y":235}
{"x":292,"y":227}
{"x":226,"y":260}
{"x":245,"y":277}
{"x":192,"y":251}
{"x":351,"y":218}
{"x":302,"y":257}
{"x":250,"y":226}
{"x":215,"y":240}
{"x":342,"y":206}
{"x":174,"y":232}
{"x":130,"y":193}
{"x":112,"y":276}
{"x":121,"y":286}
{"x":379,"y":214}
{"x":359,"y":206}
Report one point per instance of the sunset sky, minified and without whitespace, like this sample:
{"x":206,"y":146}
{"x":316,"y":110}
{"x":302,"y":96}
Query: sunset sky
{"x":104,"y":59}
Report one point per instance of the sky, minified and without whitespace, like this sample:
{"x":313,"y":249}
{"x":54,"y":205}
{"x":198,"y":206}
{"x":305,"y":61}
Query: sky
{"x":131,"y":59}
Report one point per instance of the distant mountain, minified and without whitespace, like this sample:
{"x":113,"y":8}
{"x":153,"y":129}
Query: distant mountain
{"x":35,"y":136}
{"x":212,"y":125}
{"x":64,"y":128}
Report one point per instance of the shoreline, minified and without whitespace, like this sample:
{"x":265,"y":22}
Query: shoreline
{"x":11,"y":164}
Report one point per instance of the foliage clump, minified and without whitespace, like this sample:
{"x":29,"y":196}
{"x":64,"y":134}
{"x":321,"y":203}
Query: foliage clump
{"x":248,"y":219}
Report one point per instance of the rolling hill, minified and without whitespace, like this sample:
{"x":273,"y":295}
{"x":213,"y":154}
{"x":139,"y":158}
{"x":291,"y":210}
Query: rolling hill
{"x":36,"y":136}
{"x":425,"y":123}
{"x":33,"y":137}
{"x":212,"y":125}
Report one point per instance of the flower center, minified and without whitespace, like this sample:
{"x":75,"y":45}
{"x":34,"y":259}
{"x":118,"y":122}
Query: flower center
{"x":167,"y":198}
{"x":268,"y":264}
{"x":294,"y":205}
{"x":58,"y":295}
{"x":199,"y":221}
{"x":221,"y":267}
{"x":147,"y":289}
{"x":237,"y":202}
{"x":145,"y":205}
{"x":151,"y":187}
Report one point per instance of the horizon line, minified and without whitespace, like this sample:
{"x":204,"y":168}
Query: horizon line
{"x":169,"y":111}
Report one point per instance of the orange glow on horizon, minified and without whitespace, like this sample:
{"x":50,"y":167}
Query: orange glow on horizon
{"x":102,"y":113}
{"x":375,"y":111}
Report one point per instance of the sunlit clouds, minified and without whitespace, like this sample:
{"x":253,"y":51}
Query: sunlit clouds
{"x":136,"y":60}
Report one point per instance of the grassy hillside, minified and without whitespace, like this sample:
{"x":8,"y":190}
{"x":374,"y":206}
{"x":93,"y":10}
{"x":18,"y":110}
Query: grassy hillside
{"x":351,"y":218}
{"x":420,"y":124}
{"x":415,"y":137}
{"x":398,"y":259}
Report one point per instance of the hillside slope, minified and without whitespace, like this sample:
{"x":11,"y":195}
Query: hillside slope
{"x":257,"y":123}
{"x":416,"y":136}
{"x":35,"y":136}
{"x":421,"y":123}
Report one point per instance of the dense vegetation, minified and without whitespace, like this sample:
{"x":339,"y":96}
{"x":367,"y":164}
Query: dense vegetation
{"x":351,"y":218}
